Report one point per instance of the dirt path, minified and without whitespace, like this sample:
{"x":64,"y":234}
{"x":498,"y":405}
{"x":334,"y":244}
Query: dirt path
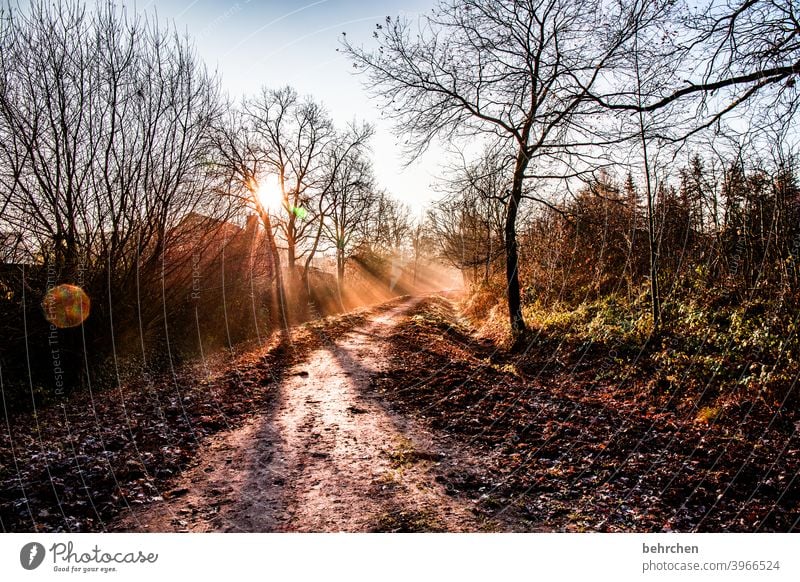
{"x":329,"y":457}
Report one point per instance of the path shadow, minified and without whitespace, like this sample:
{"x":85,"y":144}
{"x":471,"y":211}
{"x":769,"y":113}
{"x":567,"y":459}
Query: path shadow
{"x":326,"y":461}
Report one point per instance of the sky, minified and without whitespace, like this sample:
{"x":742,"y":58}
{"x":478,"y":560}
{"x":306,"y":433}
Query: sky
{"x":254,"y":43}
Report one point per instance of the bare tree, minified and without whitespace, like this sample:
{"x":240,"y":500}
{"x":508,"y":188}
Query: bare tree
{"x":351,"y":196}
{"x":649,"y":190}
{"x":715,"y":57}
{"x":387,"y":226}
{"x":513,"y":72}
{"x":469,"y":220}
{"x":239,"y":162}
{"x":293,"y":136}
{"x":103,"y":124}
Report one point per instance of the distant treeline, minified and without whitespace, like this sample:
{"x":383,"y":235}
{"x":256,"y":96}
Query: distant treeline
{"x":736,"y":231}
{"x":730,"y":227}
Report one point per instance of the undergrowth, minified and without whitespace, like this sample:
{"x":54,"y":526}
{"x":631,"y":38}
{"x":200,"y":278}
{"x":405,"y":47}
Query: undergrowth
{"x":712,"y":350}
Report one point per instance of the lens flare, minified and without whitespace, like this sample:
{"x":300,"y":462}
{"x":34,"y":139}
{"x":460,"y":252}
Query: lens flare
{"x":66,"y":306}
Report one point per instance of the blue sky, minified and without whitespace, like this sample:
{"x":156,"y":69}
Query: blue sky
{"x":256,"y":43}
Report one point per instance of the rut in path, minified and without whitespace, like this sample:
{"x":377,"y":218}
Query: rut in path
{"x":329,"y":457}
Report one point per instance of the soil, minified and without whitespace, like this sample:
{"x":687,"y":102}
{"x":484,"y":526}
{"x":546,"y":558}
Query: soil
{"x":399,"y":418}
{"x":328,"y":456}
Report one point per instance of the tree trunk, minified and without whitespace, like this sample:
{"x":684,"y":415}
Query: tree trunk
{"x":291,"y":250}
{"x":489,"y":252}
{"x":278,"y":299}
{"x":340,"y":269}
{"x":340,"y":260}
{"x":655,"y":294}
{"x":512,"y":257}
{"x":297,"y":292}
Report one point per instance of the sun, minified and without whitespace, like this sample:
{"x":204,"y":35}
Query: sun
{"x":269,"y":193}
